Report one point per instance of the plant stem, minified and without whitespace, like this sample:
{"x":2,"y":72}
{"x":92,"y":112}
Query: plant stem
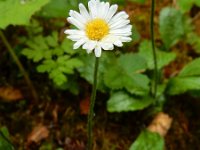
{"x":19,"y":64}
{"x":92,"y":103}
{"x":154,"y":85}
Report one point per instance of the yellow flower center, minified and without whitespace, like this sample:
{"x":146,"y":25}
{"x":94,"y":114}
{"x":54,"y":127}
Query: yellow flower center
{"x":96,"y":29}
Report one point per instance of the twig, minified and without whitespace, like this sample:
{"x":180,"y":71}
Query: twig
{"x":19,"y":64}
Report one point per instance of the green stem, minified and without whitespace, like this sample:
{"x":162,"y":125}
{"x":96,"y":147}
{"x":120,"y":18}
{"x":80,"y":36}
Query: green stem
{"x":92,"y":103}
{"x":20,"y":66}
{"x":154,"y":86}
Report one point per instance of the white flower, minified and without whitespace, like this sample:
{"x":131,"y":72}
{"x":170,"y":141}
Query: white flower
{"x":100,"y":28}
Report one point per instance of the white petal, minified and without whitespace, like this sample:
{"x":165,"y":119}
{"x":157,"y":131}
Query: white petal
{"x":78,"y":44}
{"x":123,"y":34}
{"x":75,"y":37}
{"x":121,"y":30}
{"x":92,"y":5}
{"x":111,"y":12}
{"x":125,"y":39}
{"x":74,"y":32}
{"x":91,"y":45}
{"x":84,"y":12}
{"x":119,"y":24}
{"x":119,"y":15}
{"x":89,"y":51}
{"x":107,"y":46}
{"x":105,"y":10}
{"x":100,"y":9}
{"x":75,"y":22}
{"x":97,"y":51}
{"x":77,"y":16}
{"x":109,"y":39}
{"x":85,"y":46}
{"x":118,"y":43}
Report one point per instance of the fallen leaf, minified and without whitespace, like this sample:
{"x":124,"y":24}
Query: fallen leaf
{"x":10,"y":94}
{"x":38,"y":133}
{"x":72,"y":144}
{"x":55,"y":114}
{"x":84,"y":106}
{"x":160,"y":124}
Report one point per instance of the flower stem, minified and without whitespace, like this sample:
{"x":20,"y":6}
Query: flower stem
{"x":19,"y":64}
{"x":155,"y":83}
{"x":92,"y":103}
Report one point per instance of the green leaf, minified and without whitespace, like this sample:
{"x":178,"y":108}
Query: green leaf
{"x":38,"y":49}
{"x":67,"y":46}
{"x":58,"y":68}
{"x":139,"y":1}
{"x":121,"y":101}
{"x":18,"y":12}
{"x":136,"y":35}
{"x":163,"y":58}
{"x":53,"y":39}
{"x":46,"y":66}
{"x":4,"y":144}
{"x":191,"y":69}
{"x":171,"y":26}
{"x":125,"y":72}
{"x":148,"y":141}
{"x":120,"y":2}
{"x":187,"y":80}
{"x":71,"y":64}
{"x":58,"y":77}
{"x":87,"y":70}
{"x":132,"y":63}
{"x":59,"y":8}
{"x":186,"y":5}
{"x":194,"y":40}
{"x":180,"y":85}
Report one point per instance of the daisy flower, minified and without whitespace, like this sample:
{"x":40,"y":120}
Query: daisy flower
{"x":99,"y":28}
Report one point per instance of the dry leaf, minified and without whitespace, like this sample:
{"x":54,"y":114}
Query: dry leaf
{"x":39,"y":133}
{"x":10,"y":94}
{"x":72,"y":144}
{"x":55,"y":114}
{"x":84,"y":106}
{"x":160,"y":124}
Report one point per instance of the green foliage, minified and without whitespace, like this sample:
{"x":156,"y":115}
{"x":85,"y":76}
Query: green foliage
{"x":58,"y":8}
{"x":123,"y":73}
{"x":87,"y":70}
{"x":171,"y":26}
{"x":180,"y":85}
{"x":187,"y":80}
{"x":54,"y":58}
{"x":191,"y":69}
{"x":4,"y":144}
{"x":121,"y":101}
{"x":120,"y":2}
{"x":186,"y":5}
{"x":163,"y":58}
{"x":136,"y":36}
{"x":139,"y":1}
{"x":194,"y":40}
{"x":148,"y":141}
{"x":18,"y":12}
